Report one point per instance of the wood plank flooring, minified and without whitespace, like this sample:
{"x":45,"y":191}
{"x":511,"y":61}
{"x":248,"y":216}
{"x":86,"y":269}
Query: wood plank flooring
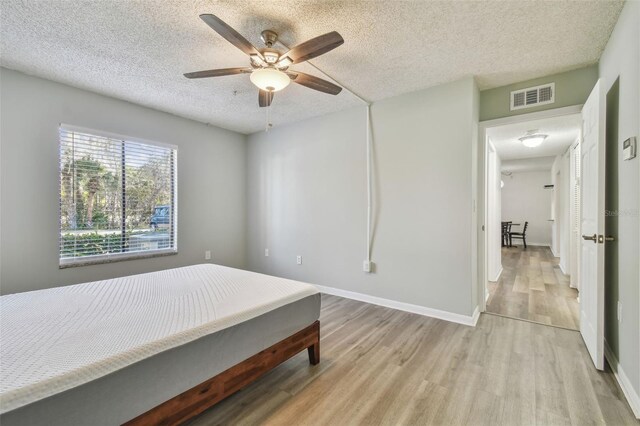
{"x":381,"y":366}
{"x":532,"y":287}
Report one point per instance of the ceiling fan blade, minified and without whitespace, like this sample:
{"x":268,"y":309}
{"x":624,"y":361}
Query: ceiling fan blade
{"x":218,"y":72}
{"x":313,"y":48}
{"x":265,"y":98}
{"x":231,"y":35}
{"x":315,"y":83}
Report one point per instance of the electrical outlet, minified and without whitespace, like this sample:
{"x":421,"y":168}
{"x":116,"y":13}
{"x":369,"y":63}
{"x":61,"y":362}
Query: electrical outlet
{"x":299,"y":260}
{"x":266,"y":252}
{"x":366,"y":266}
{"x":619,"y":311}
{"x":207,"y":255}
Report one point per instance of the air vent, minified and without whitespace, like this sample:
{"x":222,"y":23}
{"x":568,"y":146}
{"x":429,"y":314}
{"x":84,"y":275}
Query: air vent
{"x":533,"y":96}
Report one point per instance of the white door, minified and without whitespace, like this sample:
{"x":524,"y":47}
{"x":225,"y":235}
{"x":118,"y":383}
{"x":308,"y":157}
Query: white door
{"x":592,"y":225}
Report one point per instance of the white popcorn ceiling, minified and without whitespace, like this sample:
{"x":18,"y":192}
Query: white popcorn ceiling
{"x":138,"y":50}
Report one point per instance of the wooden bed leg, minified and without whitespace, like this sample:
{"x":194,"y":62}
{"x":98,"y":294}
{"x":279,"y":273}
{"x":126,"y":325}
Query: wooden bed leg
{"x":314,"y":350}
{"x":314,"y":353}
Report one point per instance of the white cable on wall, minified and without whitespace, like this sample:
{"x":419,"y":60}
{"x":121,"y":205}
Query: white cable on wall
{"x":367,"y":263}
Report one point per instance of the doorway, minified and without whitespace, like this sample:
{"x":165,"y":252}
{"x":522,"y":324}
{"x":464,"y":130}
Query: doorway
{"x":531,"y":215}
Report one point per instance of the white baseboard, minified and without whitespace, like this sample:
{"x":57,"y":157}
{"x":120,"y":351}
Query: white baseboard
{"x":475,"y":317}
{"x":539,"y":245}
{"x":629,"y":392}
{"x":562,"y":269}
{"x":497,"y":277}
{"x":402,"y":306}
{"x":520,"y":245}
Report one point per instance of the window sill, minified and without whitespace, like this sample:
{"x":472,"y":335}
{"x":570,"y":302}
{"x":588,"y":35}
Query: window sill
{"x":112,"y":258}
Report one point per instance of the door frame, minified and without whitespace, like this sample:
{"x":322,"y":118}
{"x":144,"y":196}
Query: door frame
{"x":482,"y":183}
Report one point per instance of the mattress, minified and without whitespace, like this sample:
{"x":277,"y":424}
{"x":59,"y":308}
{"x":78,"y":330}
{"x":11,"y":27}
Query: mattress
{"x":60,"y":339}
{"x":125,"y":394}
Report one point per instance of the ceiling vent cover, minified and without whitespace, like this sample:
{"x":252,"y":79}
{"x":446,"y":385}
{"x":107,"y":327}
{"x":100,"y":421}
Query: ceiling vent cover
{"x":533,"y":96}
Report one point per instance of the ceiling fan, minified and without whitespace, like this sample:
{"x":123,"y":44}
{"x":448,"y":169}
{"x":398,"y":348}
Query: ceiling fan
{"x":269,"y":69}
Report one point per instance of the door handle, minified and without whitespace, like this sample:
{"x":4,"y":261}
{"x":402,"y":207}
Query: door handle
{"x":593,"y":237}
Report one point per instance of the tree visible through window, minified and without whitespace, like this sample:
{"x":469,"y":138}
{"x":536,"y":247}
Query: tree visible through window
{"x":117,"y":197}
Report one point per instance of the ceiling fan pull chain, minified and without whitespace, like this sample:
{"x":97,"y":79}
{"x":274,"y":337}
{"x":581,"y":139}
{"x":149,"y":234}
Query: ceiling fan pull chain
{"x":269,"y":124}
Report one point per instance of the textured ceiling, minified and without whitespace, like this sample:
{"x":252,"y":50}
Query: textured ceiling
{"x":561,"y":133}
{"x":138,"y":50}
{"x":536,"y":164}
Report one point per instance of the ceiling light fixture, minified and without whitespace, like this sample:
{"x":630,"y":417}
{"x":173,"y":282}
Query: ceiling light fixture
{"x":270,"y":79}
{"x":532,"y":141}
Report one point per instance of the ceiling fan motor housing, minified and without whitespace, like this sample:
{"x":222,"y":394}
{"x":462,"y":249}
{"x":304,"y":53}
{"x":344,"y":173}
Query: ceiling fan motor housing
{"x":269,"y":37}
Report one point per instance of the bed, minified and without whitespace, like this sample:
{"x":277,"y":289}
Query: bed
{"x":156,"y":348}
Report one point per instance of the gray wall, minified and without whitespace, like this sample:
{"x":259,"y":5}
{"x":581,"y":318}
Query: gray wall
{"x":211,"y":182}
{"x":621,"y":59}
{"x":307,"y":196}
{"x":572,"y":88}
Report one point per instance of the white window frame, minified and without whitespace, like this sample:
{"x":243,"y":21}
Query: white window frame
{"x":117,"y":257}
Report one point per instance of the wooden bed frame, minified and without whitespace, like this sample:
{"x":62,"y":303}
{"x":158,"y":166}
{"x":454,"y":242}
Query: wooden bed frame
{"x":194,"y":401}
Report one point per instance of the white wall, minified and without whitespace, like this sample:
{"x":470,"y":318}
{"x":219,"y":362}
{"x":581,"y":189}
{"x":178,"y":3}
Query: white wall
{"x":494,"y":213}
{"x":621,"y":58}
{"x":211,"y":182}
{"x":524,"y":198}
{"x":307,"y":196}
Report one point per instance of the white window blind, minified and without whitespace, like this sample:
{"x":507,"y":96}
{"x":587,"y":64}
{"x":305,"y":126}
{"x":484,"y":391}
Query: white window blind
{"x":117,"y":198}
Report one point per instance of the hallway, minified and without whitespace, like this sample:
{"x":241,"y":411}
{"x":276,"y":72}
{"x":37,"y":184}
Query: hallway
{"x":532,"y":287}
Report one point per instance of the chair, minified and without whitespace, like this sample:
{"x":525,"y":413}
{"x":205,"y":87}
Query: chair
{"x":519,"y":235}
{"x":506,"y":229}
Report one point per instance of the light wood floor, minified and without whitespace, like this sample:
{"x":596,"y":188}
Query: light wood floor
{"x":533,"y":287}
{"x":385,"y":367}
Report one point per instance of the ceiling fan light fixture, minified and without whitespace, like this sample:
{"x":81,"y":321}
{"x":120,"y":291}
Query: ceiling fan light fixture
{"x":270,"y":79}
{"x":257,"y":60}
{"x":284,"y":62}
{"x":532,"y":141}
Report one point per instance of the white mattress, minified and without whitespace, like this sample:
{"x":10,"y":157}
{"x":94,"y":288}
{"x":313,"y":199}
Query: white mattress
{"x":56,"y":339}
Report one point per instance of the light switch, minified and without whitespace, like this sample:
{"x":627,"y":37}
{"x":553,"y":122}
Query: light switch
{"x":629,"y":149}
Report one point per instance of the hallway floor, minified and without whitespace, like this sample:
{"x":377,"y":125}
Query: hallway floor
{"x":532,"y":287}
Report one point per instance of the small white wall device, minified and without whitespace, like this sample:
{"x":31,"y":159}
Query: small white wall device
{"x":629,"y":148}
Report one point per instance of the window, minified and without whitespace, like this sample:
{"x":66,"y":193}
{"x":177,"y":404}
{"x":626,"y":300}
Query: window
{"x":117,"y":198}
